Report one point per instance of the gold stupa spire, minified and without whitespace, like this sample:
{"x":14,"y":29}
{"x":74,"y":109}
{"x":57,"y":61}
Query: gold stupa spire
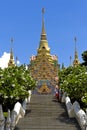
{"x":11,"y":60}
{"x":70,"y":60}
{"x":43,"y":66}
{"x":76,"y":54}
{"x":43,"y":38}
{"x":11,"y":52}
{"x":16,"y":60}
{"x":43,"y":33}
{"x":76,"y":60}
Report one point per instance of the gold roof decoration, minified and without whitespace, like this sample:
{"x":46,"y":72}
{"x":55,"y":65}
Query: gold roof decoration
{"x":44,"y":89}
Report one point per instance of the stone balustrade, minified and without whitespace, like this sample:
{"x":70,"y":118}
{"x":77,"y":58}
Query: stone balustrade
{"x":8,"y":121}
{"x":19,"y":111}
{"x":13,"y":118}
{"x":69,"y":107}
{"x":2,"y":119}
{"x":74,"y":110}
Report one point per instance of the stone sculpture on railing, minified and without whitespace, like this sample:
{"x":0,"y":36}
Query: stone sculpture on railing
{"x":8,"y":122}
{"x":69,"y":107}
{"x":17,"y":113}
{"x":79,"y":114}
{"x":2,"y":119}
{"x":74,"y":110}
{"x":86,"y":121}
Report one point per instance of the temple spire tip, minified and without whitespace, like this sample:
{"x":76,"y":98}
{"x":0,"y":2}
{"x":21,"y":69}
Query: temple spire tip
{"x":43,"y":10}
{"x":43,"y":33}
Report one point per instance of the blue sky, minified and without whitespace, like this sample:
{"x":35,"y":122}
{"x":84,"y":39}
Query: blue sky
{"x":22,"y":20}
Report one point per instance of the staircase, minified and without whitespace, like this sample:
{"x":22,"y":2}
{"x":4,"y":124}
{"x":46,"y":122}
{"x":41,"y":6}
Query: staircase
{"x":45,"y":113}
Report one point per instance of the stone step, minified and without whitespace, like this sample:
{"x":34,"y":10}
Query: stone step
{"x":45,"y":113}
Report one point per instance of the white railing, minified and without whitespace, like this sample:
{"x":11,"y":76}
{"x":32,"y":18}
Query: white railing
{"x":74,"y":110}
{"x":18,"y":112}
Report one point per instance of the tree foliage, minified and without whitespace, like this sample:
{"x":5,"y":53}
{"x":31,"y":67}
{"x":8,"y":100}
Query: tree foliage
{"x":14,"y":85}
{"x":73,"y":80}
{"x":84,"y":57}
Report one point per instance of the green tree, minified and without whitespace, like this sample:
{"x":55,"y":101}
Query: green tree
{"x":14,"y":85}
{"x":73,"y":80}
{"x":84,"y":57}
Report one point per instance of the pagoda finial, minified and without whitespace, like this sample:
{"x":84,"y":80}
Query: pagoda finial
{"x":11,"y":60}
{"x":43,"y":37}
{"x":43,"y":12}
{"x":76,"y":61}
{"x":75,"y":39}
{"x":16,"y":60}
{"x":11,"y":43}
{"x":11,"y":53}
{"x":70,"y":60}
{"x":12,"y":40}
{"x":43,"y":33}
{"x":76,"y":54}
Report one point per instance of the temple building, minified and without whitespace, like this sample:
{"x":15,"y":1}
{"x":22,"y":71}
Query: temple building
{"x":44,"y":66}
{"x":76,"y":60}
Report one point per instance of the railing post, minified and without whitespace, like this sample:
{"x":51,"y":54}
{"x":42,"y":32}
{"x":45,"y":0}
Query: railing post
{"x":86,"y":121}
{"x":13,"y":119}
{"x":2,"y":119}
{"x":8,"y":121}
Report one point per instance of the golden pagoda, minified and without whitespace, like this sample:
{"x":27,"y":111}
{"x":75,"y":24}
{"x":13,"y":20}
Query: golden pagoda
{"x":76,"y":60}
{"x":44,"y":66}
{"x":11,"y":62}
